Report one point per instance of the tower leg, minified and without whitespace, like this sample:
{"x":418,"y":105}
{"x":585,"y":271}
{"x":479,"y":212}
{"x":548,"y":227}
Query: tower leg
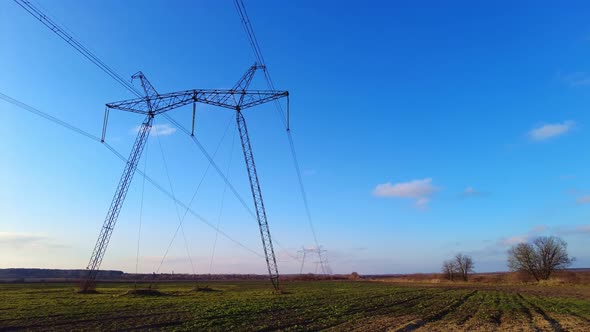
{"x":116,"y":204}
{"x":269,"y":253}
{"x":194,"y":111}
{"x":302,"y":262}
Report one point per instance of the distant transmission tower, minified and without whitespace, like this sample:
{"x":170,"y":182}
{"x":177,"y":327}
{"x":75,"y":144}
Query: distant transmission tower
{"x":321,"y":259}
{"x":238,"y":99}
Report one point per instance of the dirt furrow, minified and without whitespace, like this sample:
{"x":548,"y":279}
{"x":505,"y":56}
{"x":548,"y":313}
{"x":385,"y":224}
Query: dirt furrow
{"x":381,"y":321}
{"x":438,"y":316}
{"x":555,"y":326}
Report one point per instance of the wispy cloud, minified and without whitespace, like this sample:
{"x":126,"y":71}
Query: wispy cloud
{"x":422,"y":202}
{"x":496,"y":250}
{"x":522,"y":238}
{"x":576,"y":79}
{"x":573,"y":230}
{"x":509,"y":241}
{"x":310,"y":172}
{"x":538,"y":229}
{"x":420,"y":190}
{"x":164,"y":129}
{"x":583,"y":199}
{"x":566,"y":177}
{"x":551,"y":130}
{"x":471,"y":192}
{"x":26,"y":240}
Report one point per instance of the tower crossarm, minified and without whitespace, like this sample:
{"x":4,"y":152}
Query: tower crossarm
{"x":231,"y":99}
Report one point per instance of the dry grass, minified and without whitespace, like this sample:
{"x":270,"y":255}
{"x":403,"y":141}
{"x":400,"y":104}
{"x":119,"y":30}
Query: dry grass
{"x":494,"y":278}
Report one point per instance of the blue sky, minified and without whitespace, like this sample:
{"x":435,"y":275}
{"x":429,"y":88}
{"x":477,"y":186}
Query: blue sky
{"x":422,"y":130}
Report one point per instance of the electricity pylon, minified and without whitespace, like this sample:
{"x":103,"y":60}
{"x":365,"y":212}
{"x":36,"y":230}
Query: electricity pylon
{"x":238,"y":99}
{"x":322,"y":260}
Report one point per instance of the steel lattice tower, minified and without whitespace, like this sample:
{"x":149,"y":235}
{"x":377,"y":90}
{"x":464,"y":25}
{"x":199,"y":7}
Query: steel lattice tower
{"x":238,"y":99}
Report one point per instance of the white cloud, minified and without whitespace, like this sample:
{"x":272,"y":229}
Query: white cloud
{"x":164,"y":129}
{"x":551,"y":130}
{"x":583,"y":199}
{"x":420,"y":190}
{"x":410,"y":189}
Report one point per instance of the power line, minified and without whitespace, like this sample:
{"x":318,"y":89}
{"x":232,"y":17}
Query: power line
{"x":247,"y":25}
{"x":68,"y":38}
{"x":78,"y":46}
{"x":293,"y":257}
{"x":258,"y":99}
{"x":160,"y":188}
{"x":175,"y":207}
{"x":208,"y":167}
{"x":221,"y":174}
{"x":212,"y":163}
{"x":182,"y":205}
{"x":239,"y":4}
{"x":88,"y":135}
{"x":222,"y":201}
{"x":181,"y":219}
{"x":141,"y":213}
{"x":49,"y":117}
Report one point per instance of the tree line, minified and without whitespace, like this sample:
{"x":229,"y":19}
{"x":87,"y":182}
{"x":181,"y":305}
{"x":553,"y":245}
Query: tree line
{"x":539,"y":258}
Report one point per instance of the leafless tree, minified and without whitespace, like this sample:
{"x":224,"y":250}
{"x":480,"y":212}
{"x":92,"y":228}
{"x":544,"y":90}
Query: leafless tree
{"x":463,"y":265}
{"x":448,"y":269}
{"x":522,"y":257}
{"x":540,"y":258}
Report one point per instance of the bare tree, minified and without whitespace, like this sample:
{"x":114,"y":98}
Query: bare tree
{"x":448,"y":269}
{"x":463,"y":265}
{"x":522,"y":257}
{"x":540,"y":258}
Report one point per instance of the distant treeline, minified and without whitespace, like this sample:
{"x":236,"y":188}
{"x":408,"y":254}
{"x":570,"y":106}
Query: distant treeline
{"x":55,"y":275}
{"x":37,"y":274}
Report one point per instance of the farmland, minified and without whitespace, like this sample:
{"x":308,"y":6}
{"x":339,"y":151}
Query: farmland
{"x":319,"y":305}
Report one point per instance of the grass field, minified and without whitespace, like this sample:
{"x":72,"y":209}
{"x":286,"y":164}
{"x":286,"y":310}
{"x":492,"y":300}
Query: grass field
{"x":324,"y":305}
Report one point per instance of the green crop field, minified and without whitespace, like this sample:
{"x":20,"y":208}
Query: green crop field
{"x":319,"y":305}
